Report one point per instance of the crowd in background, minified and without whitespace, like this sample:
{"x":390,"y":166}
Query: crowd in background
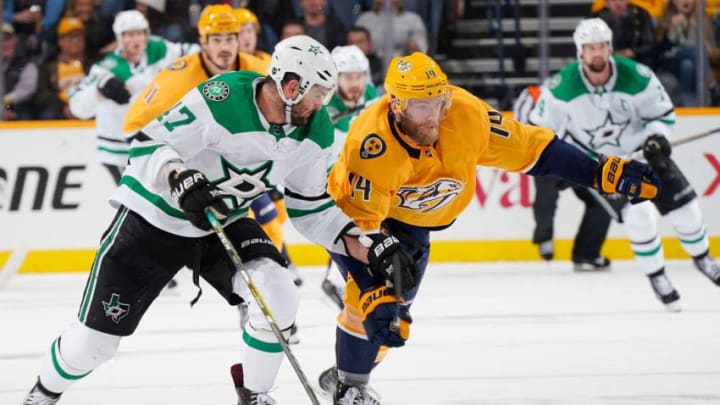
{"x":49,"y":45}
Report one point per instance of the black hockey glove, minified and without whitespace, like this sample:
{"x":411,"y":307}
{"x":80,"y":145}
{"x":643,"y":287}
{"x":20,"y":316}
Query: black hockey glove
{"x":378,"y":307}
{"x":385,"y":256}
{"x":634,"y":179}
{"x":194,"y":194}
{"x":656,"y":147}
{"x":114,"y":89}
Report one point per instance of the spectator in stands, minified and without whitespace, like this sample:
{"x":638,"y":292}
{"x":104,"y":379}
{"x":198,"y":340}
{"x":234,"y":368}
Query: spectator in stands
{"x":249,"y":32}
{"x":325,"y":28}
{"x":62,"y":72}
{"x":632,"y":28}
{"x":99,"y":38}
{"x":676,"y":34}
{"x":292,"y":28}
{"x":34,"y":22}
{"x":162,"y":23}
{"x":360,"y":37}
{"x":431,"y":12}
{"x":272,"y":14}
{"x":408,"y":35}
{"x":349,"y":10}
{"x":20,"y":78}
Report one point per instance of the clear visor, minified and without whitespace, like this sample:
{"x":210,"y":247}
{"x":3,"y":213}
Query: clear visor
{"x":319,"y":94}
{"x":420,"y":109}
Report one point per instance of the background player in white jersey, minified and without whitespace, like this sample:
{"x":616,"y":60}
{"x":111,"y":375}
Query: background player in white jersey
{"x":355,"y":92}
{"x":111,"y":83}
{"x":613,"y":105}
{"x":225,"y":143}
{"x":595,"y":220}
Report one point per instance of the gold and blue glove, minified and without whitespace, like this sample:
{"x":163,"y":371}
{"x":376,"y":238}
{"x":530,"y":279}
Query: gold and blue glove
{"x":634,"y":179}
{"x":378,"y":307}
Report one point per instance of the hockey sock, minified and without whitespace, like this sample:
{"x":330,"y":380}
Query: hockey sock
{"x":263,"y":357}
{"x":74,"y":354}
{"x":687,"y":221}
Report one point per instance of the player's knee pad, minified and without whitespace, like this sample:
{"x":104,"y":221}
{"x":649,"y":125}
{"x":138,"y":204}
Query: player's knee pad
{"x":687,"y":219}
{"x":275,"y":284}
{"x":83,"y":348}
{"x":640,"y":221}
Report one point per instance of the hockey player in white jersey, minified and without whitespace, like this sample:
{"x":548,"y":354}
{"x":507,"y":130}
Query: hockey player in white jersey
{"x":613,"y":105}
{"x":222,"y":145}
{"x":111,"y":83}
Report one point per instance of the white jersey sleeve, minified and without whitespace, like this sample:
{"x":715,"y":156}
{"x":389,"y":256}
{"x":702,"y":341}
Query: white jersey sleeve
{"x":85,"y":97}
{"x":655,"y":108}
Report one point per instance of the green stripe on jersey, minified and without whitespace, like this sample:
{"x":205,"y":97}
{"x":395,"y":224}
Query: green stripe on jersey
{"x":104,"y":245}
{"x":154,"y":199}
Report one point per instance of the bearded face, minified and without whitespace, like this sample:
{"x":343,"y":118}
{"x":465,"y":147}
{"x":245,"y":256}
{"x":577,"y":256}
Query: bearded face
{"x":420,"y":120}
{"x":595,"y":57}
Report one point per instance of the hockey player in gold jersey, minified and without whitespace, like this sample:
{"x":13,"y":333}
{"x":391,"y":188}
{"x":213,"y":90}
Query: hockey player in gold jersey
{"x":249,"y":31}
{"x":218,"y":29}
{"x":408,"y":167}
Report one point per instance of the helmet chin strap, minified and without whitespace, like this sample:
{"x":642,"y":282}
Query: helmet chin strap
{"x":286,"y":102}
{"x":288,"y":113}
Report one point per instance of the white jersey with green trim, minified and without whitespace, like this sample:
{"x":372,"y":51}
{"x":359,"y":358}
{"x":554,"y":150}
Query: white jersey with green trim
{"x":218,"y":129}
{"x":612,"y":119}
{"x":86,"y":102}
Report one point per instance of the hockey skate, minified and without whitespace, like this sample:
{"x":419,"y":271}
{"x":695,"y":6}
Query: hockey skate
{"x":708,"y":267}
{"x":547,"y":251}
{"x":665,"y":292}
{"x":245,"y":396}
{"x":353,"y":395}
{"x":334,"y":293}
{"x":599,"y":263}
{"x":39,"y":395}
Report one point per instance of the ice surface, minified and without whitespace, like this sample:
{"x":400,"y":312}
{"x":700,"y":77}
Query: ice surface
{"x":500,"y":333}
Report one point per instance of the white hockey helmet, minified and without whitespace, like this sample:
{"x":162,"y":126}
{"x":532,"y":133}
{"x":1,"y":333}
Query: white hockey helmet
{"x":591,"y":31}
{"x":308,"y":59}
{"x":350,"y":58}
{"x":129,"y":20}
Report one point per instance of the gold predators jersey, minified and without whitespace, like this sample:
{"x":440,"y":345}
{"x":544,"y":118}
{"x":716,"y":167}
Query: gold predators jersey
{"x":381,"y":175}
{"x":171,"y":84}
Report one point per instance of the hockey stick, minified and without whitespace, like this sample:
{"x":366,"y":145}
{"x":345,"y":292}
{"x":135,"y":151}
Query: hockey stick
{"x":682,"y":141}
{"x":237,"y":261}
{"x":349,"y":112}
{"x":12,"y":265}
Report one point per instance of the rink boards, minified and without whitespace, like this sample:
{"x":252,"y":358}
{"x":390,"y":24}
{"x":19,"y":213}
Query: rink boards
{"x":53,"y":202}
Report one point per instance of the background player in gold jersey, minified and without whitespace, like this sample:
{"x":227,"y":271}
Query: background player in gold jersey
{"x":218,"y":29}
{"x":408,"y":167}
{"x":249,"y":31}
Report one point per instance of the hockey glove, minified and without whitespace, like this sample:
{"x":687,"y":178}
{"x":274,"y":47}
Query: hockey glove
{"x":194,"y":194}
{"x":655,"y":147}
{"x":114,"y":89}
{"x":634,"y":179}
{"x":378,"y":307}
{"x":385,"y":256}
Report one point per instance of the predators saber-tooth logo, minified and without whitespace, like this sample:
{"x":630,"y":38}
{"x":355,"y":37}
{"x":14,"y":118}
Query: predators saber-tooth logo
{"x":429,"y":198}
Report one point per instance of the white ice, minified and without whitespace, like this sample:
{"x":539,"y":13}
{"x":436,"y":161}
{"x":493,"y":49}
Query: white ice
{"x":501,"y":333}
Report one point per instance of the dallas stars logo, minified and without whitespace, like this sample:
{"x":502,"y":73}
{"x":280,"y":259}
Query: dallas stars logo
{"x":607,"y":133}
{"x":115,"y":309}
{"x":216,"y":90}
{"x":314,"y":49}
{"x":243,"y":184}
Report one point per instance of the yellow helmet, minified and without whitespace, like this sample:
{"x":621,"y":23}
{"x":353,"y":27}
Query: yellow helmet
{"x":415,"y":76}
{"x":217,"y":19}
{"x":245,"y":16}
